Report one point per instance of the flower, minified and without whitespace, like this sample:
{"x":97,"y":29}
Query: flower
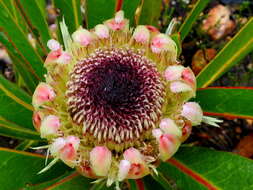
{"x":114,"y":101}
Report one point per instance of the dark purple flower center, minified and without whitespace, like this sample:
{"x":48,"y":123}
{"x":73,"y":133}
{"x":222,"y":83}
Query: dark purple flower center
{"x":116,"y":94}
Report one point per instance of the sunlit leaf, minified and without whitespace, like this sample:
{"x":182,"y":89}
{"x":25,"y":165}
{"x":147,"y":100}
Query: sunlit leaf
{"x":15,"y":104}
{"x":71,"y":11}
{"x":226,"y":101}
{"x":236,"y":49}
{"x":186,"y":27}
{"x":150,"y":12}
{"x":99,"y":10}
{"x":36,"y":20}
{"x":20,"y":41}
{"x":202,"y":169}
{"x":19,"y":169}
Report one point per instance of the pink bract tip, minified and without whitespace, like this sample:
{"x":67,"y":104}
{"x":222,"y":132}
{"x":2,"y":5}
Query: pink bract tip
{"x":141,"y":34}
{"x":49,"y":126}
{"x":100,"y":159}
{"x":170,"y":127}
{"x":193,"y":112}
{"x":83,"y":37}
{"x":53,"y":45}
{"x":42,"y":94}
{"x":102,"y":31}
{"x":168,"y":145}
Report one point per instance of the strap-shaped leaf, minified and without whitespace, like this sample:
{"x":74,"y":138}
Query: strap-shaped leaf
{"x":99,"y":10}
{"x":129,"y":7}
{"x":19,"y":169}
{"x":12,"y":130}
{"x":226,"y":101}
{"x":71,"y":11}
{"x":202,"y":169}
{"x":26,"y":144}
{"x":19,"y":63}
{"x":11,"y":5}
{"x":36,"y":20}
{"x":70,"y":182}
{"x":19,"y":40}
{"x":185,"y":28}
{"x":150,"y":12}
{"x":237,"y":48}
{"x":156,"y":183}
{"x":15,"y":104}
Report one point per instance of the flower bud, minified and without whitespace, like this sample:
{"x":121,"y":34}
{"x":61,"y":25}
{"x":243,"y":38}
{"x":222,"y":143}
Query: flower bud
{"x":117,"y":23}
{"x":42,"y":94}
{"x":174,"y":72}
{"x":157,"y":133}
{"x":186,"y":131}
{"x":152,"y":29}
{"x":189,"y":77}
{"x":184,"y":74}
{"x":53,"y":45}
{"x":102,"y":31}
{"x":66,"y":149}
{"x":138,"y":167}
{"x":178,"y":86}
{"x":58,"y":56}
{"x":141,"y":34}
{"x":124,"y":167}
{"x":57,"y":145}
{"x":49,"y":126}
{"x":192,"y":112}
{"x":37,"y":118}
{"x":100,"y":159}
{"x":170,"y":127}
{"x":168,"y":145}
{"x":83,"y":37}
{"x":162,"y":42}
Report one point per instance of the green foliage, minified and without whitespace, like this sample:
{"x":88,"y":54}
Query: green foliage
{"x":24,"y":169}
{"x":232,"y":53}
{"x":192,"y":168}
{"x":224,"y":101}
{"x":150,"y":12}
{"x":201,"y":168}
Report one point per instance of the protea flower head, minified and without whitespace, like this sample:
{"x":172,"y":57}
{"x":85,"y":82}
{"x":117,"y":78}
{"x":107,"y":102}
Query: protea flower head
{"x":114,"y":100}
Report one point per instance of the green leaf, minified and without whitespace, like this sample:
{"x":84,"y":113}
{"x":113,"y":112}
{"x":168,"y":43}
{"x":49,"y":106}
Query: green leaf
{"x":226,"y":101}
{"x":20,"y":42}
{"x":15,"y":104}
{"x":129,"y":7}
{"x":163,"y":181}
{"x":12,"y":130}
{"x":11,"y":5}
{"x":150,"y":184}
{"x":177,"y":40}
{"x":185,"y":28}
{"x":70,"y":182}
{"x":42,"y":5}
{"x":237,"y":48}
{"x":133,"y":185}
{"x":26,"y":144}
{"x":150,"y":12}
{"x":36,"y":21}
{"x":71,"y":11}
{"x":19,"y":63}
{"x":19,"y":169}
{"x":202,"y":168}
{"x":99,"y":10}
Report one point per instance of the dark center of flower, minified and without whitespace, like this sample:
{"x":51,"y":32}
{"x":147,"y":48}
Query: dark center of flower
{"x":116,"y":85}
{"x":115,"y":94}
